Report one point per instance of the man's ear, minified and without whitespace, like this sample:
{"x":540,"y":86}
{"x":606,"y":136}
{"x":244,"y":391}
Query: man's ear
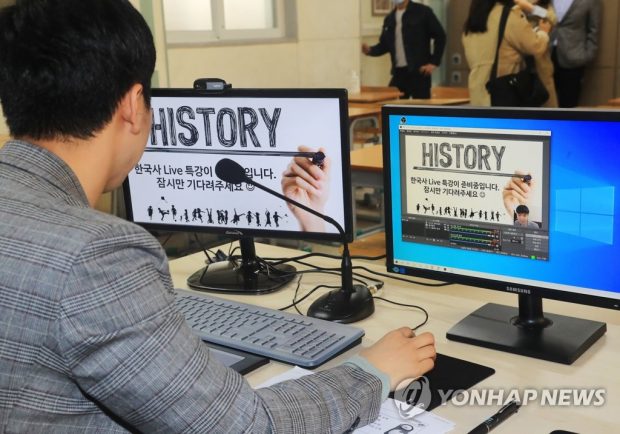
{"x":132,"y":108}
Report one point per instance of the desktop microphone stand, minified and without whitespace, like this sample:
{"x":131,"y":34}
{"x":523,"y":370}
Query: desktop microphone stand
{"x":348,"y":304}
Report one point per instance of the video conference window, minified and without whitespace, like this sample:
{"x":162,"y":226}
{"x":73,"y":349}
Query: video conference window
{"x":476,"y":189}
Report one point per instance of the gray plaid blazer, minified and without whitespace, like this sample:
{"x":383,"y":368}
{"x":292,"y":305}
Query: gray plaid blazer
{"x":90,"y":340}
{"x":578,"y":33}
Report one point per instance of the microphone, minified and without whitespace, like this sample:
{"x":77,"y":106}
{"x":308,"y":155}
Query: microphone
{"x":348,"y":304}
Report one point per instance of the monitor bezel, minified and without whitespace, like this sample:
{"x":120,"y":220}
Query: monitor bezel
{"x":609,"y":115}
{"x":339,"y":94}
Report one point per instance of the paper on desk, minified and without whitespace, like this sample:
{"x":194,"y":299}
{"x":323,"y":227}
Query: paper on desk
{"x":389,"y":420}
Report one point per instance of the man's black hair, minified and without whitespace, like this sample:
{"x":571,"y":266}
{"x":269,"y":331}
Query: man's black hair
{"x":479,"y":11}
{"x":522,"y":209}
{"x":66,"y":64}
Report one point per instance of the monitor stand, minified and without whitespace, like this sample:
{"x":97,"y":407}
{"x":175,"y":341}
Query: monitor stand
{"x":251,"y":275}
{"x":527,"y":331}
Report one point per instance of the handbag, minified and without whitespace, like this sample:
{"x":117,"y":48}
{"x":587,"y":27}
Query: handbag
{"x":523,"y":89}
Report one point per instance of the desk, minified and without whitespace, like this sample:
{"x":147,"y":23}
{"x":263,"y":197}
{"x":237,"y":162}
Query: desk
{"x":374,"y":95}
{"x":367,"y":171}
{"x":362,"y":113}
{"x":449,"y":92}
{"x":598,"y":367}
{"x":357,"y":112}
{"x":614,"y":102}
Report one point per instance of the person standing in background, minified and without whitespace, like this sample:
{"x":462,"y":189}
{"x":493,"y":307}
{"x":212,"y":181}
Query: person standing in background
{"x":407,"y":34}
{"x":480,"y":42}
{"x":575,"y":43}
{"x":536,"y":11}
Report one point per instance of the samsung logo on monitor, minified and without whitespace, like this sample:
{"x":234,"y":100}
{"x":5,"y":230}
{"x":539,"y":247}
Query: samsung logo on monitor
{"x":518,"y":290}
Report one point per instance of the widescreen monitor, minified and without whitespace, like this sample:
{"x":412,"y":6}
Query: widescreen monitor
{"x":281,"y":137}
{"x":516,"y":200}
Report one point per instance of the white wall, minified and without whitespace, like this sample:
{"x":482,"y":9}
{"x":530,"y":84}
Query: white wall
{"x":327,"y":49}
{"x":324,"y":53}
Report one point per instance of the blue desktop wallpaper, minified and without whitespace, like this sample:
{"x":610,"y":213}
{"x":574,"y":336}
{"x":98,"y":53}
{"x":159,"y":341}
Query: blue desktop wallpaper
{"x":584,"y":238}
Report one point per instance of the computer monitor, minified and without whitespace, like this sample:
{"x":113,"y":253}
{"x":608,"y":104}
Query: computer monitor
{"x":516,"y":200}
{"x":174,"y":187}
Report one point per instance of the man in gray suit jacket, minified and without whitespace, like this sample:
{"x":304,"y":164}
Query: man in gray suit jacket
{"x":575,"y":40}
{"x":90,"y":339}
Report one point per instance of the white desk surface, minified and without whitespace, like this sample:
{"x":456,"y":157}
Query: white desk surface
{"x":597,"y":368}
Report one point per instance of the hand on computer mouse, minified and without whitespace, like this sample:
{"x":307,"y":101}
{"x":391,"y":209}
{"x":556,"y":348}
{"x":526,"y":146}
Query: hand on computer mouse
{"x":402,"y":355}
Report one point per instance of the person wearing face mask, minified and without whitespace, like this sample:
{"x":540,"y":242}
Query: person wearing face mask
{"x":407,"y":34}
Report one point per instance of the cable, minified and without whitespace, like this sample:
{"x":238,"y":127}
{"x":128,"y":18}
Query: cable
{"x":163,"y":245}
{"x":335,"y":270}
{"x":277,"y":261}
{"x":378,"y":284}
{"x":231,"y":251}
{"x":389,"y":276}
{"x":295,"y":295}
{"x":307,"y":295}
{"x":369,"y":258}
{"x":298,"y":259}
{"x":315,"y":268}
{"x":424,"y":311}
{"x":203,"y":249}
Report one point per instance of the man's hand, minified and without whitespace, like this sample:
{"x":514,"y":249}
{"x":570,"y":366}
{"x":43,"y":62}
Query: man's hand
{"x":544,"y":25}
{"x":365,"y":49}
{"x":525,"y":6}
{"x":516,"y":192}
{"x":427,"y":69}
{"x":308,"y":184}
{"x":402,"y":355}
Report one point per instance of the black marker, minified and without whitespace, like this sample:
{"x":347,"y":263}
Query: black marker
{"x":504,"y":413}
{"x":317,"y":157}
{"x":524,"y":178}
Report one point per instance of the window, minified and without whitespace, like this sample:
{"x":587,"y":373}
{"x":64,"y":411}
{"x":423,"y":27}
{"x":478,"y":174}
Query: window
{"x":587,"y":213}
{"x":206,"y":21}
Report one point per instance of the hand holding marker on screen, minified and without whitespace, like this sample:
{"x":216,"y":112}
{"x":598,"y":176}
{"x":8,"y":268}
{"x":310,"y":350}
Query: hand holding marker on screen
{"x":517,"y":191}
{"x":306,"y":181}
